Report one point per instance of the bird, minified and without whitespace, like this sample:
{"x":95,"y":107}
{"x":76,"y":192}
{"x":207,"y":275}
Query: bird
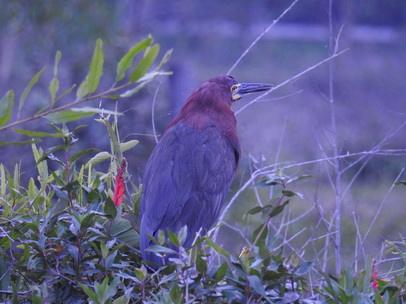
{"x":188,"y":174}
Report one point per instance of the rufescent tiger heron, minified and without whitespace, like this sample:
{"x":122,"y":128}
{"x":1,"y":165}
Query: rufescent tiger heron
{"x":189,"y":173}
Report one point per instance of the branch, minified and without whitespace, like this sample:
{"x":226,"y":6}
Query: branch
{"x":291,"y":79}
{"x":64,"y":107}
{"x":261,"y":35}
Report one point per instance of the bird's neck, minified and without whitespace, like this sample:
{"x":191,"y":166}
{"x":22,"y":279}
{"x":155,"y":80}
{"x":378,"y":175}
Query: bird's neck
{"x":199,"y":117}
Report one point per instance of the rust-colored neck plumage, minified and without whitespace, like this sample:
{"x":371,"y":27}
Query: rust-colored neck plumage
{"x":210,"y":105}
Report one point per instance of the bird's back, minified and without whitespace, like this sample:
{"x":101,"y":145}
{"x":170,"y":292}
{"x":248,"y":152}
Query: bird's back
{"x":186,"y":181}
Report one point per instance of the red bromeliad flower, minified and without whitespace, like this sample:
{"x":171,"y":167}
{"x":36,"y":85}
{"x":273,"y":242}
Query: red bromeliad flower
{"x":119,"y":185}
{"x":374,"y":281}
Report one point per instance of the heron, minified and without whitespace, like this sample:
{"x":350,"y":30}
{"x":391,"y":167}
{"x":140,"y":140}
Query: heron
{"x":189,"y":172}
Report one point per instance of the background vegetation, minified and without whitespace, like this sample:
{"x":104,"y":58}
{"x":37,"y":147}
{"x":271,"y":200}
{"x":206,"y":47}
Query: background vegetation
{"x":342,"y":124}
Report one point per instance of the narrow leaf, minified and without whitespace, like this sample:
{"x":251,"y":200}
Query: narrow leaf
{"x":54,"y":84}
{"x":98,"y":158}
{"x":58,"y":57}
{"x":6,"y":106}
{"x":66,"y":116}
{"x":83,"y":89}
{"x":127,"y":61}
{"x":53,"y":89}
{"x":131,"y":92}
{"x":128,"y":145}
{"x":27,"y":90}
{"x":95,"y":110}
{"x":166,"y":57}
{"x":19,"y":143}
{"x":217,"y":248}
{"x":37,"y":134}
{"x":144,"y":64}
{"x":96,"y":67}
{"x":161,"y":249}
{"x":81,"y":153}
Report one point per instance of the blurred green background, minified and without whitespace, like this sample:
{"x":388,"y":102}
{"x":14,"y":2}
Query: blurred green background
{"x":207,"y":37}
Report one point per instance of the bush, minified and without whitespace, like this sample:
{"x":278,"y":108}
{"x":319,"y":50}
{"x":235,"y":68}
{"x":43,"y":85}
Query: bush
{"x":71,"y":234}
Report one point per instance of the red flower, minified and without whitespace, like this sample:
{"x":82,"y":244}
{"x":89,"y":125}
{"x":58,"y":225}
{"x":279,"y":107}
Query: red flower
{"x":119,"y":185}
{"x":374,"y":281}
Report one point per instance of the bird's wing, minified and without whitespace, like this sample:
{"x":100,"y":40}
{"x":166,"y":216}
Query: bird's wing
{"x":187,"y":179}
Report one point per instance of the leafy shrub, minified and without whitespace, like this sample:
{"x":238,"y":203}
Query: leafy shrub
{"x":70,"y":236}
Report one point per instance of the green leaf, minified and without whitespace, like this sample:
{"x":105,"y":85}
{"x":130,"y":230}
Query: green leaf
{"x":19,"y":143}
{"x":143,"y":81}
{"x":217,"y":248}
{"x":290,"y":193}
{"x":173,"y":238}
{"x":27,"y":90}
{"x":303,"y":268}
{"x":255,"y":210}
{"x":54,"y":84}
{"x":89,"y":292}
{"x":37,"y":134}
{"x":278,"y":209}
{"x":96,"y":67}
{"x":81,"y":153}
{"x":83,"y":89}
{"x":161,"y":249}
{"x":221,"y":272}
{"x":122,"y":300}
{"x":53,"y":89}
{"x":98,"y":158}
{"x":256,"y":283}
{"x":127,"y":61}
{"x":109,"y":208}
{"x":95,"y":110}
{"x":6,"y":106}
{"x":131,"y":92}
{"x":165,"y":59}
{"x":66,"y":116}
{"x":400,"y":182}
{"x":144,"y":64}
{"x":152,"y":75}
{"x":119,"y":226}
{"x":201,"y":265}
{"x":128,"y":145}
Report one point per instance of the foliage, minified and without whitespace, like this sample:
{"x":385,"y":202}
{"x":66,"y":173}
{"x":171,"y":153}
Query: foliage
{"x":67,"y":238}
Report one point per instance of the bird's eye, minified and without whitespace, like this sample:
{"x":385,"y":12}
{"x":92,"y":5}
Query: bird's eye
{"x":234,"y":88}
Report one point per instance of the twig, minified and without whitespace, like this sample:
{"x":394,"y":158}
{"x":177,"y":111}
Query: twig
{"x":291,"y":79}
{"x":271,"y":168}
{"x":153,"y":112}
{"x":71,"y":104}
{"x":260,"y":36}
{"x":378,"y":213}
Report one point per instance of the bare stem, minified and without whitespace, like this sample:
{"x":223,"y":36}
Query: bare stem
{"x":260,"y":36}
{"x":64,"y":107}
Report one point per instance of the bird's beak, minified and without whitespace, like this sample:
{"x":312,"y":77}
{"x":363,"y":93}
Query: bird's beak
{"x":241,"y":89}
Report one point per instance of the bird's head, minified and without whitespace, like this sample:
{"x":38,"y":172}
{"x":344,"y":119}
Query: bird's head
{"x":231,"y":90}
